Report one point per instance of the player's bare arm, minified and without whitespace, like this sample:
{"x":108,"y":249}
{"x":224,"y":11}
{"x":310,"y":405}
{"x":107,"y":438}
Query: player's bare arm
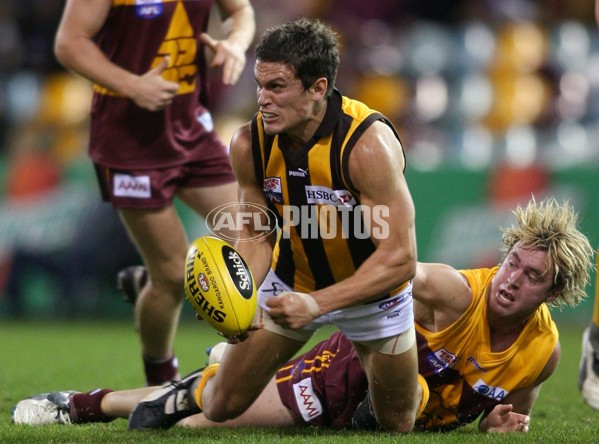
{"x":524,"y":399}
{"x":257,"y":253}
{"x":441,"y":295}
{"x":394,"y":259}
{"x":521,"y":402}
{"x":75,"y":49}
{"x":239,"y":26}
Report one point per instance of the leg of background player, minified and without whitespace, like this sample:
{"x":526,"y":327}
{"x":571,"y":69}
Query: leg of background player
{"x":588,"y":378}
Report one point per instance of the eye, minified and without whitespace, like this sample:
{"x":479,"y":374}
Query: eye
{"x":533,"y":277}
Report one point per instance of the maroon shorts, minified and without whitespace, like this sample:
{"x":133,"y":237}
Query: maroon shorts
{"x":324,"y":386}
{"x":155,"y":188}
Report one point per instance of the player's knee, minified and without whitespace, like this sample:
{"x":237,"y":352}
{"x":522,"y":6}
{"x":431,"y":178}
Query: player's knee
{"x":402,"y":423}
{"x":162,"y":287}
{"x":398,"y":418}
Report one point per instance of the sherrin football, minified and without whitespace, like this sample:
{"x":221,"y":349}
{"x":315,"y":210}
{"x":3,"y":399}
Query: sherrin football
{"x":220,"y":286}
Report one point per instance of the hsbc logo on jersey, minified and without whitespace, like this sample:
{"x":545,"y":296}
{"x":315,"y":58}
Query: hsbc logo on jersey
{"x":132,"y":186}
{"x":307,"y":402}
{"x":326,"y":196}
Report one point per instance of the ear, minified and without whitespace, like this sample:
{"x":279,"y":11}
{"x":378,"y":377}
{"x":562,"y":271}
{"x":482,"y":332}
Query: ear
{"x":319,"y":88}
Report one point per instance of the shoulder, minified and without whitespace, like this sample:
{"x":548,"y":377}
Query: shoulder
{"x":377,"y":149}
{"x":443,"y":289}
{"x":551,"y":365}
{"x":240,"y":150}
{"x":242,"y":139}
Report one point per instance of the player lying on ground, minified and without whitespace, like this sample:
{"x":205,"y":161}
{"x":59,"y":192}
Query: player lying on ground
{"x":486,"y":342}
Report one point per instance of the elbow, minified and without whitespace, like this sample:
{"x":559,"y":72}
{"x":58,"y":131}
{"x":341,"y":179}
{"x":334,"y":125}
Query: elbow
{"x":410,"y":260}
{"x":405,"y":266}
{"x":410,"y":270}
{"x":62,"y":50}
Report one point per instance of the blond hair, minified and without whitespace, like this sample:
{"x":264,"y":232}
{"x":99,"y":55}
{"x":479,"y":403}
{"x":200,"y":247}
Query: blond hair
{"x":551,"y":227}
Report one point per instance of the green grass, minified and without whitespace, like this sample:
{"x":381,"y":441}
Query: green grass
{"x":39,"y":357}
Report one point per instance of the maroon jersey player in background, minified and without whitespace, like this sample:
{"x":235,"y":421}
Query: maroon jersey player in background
{"x":151,"y":135}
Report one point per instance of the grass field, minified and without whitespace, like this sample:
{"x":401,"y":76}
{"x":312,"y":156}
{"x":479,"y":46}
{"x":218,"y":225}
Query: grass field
{"x":39,"y":357}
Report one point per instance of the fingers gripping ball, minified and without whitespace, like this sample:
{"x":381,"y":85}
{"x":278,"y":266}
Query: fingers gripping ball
{"x":220,"y":286}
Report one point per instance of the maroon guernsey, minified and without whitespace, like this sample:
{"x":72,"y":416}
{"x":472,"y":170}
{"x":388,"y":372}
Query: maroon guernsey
{"x":126,"y":136}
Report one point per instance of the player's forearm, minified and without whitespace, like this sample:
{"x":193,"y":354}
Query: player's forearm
{"x":240,"y":26}
{"x":83,"y":57}
{"x":380,"y":274}
{"x":258,"y":256}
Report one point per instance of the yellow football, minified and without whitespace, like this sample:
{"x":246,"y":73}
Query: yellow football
{"x":219,"y":285}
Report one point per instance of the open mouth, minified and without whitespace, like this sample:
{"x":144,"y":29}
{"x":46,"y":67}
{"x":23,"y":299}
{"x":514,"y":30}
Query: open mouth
{"x":505,"y":296}
{"x":268,"y":116}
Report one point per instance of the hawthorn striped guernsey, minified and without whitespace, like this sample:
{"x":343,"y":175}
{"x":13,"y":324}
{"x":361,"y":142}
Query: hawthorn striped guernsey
{"x":316,"y":179}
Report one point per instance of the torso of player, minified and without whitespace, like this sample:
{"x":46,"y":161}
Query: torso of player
{"x":465,"y":377}
{"x":323,"y":238}
{"x":137,"y":36}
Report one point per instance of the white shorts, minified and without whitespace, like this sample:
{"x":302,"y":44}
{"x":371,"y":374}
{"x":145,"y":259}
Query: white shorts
{"x":363,"y":323}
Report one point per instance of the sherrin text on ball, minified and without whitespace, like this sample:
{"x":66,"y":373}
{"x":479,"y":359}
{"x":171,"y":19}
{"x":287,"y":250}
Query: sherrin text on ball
{"x":220,"y":286}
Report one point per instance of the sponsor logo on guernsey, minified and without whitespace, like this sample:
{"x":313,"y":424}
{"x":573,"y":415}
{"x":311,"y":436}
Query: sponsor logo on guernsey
{"x":308,"y":403}
{"x":489,"y":391}
{"x":239,"y":272}
{"x":299,"y":173}
{"x":272,"y":189}
{"x":132,"y":186}
{"x":390,"y":303}
{"x":323,"y":195}
{"x":473,"y":361}
{"x":148,"y":9}
{"x":441,"y":360}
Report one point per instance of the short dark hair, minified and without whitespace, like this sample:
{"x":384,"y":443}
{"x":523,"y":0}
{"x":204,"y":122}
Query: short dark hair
{"x":307,"y":46}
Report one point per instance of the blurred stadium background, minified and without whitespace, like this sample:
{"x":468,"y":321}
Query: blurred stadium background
{"x":494,"y":100}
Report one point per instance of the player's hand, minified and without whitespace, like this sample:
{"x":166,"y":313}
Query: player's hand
{"x":151,"y":91}
{"x":502,"y":419}
{"x":292,"y":309}
{"x":243,"y":336}
{"x":239,"y":338}
{"x":228,"y":54}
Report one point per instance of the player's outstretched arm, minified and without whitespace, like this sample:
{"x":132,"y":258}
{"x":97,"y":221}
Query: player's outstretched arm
{"x":516,"y":417}
{"x":240,"y":27}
